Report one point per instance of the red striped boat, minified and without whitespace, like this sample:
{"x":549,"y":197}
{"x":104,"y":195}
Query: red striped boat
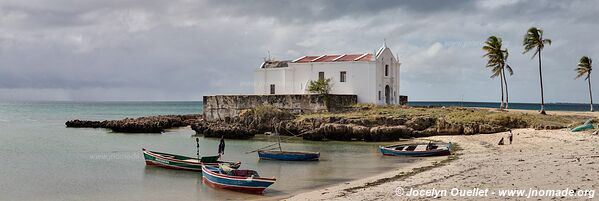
{"x":178,"y":162}
{"x":247,"y":181}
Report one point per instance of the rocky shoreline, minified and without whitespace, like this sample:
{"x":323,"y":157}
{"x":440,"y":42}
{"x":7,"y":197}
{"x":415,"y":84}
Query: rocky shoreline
{"x":151,"y":124}
{"x":378,"y":127}
{"x":331,"y":128}
{"x":367,"y":127}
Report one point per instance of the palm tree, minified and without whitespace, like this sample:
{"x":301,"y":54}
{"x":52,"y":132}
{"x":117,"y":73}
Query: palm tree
{"x":585,"y":65}
{"x":534,"y":40}
{"x":497,"y":62}
{"x":510,"y":71}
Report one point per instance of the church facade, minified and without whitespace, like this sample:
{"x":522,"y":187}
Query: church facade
{"x":372,"y":77}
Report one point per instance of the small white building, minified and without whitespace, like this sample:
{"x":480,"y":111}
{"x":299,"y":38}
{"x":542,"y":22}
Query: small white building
{"x":374,"y":78}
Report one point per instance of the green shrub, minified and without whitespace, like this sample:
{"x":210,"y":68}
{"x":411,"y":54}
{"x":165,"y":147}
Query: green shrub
{"x":320,"y":86}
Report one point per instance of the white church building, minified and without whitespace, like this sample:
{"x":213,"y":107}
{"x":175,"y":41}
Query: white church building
{"x":373,"y":78}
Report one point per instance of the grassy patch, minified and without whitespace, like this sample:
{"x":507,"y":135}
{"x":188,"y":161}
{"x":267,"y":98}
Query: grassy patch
{"x":457,"y":115}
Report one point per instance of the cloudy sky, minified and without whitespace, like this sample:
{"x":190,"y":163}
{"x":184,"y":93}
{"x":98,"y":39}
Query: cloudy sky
{"x":182,"y":50}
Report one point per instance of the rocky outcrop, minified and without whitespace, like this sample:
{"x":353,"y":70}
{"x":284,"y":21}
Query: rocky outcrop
{"x":388,"y":133}
{"x":337,"y":131}
{"x":470,"y":129}
{"x":393,"y":128}
{"x":445,"y":128}
{"x":151,"y":124}
{"x":226,"y":130}
{"x":378,"y":127}
{"x":488,"y":128}
{"x":85,"y":124}
{"x":421,"y":123}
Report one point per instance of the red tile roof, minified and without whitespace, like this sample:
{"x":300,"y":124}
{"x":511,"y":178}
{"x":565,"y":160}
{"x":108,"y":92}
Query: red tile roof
{"x":334,"y":58}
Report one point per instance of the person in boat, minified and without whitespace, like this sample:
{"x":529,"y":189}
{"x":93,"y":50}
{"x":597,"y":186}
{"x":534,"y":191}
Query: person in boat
{"x":429,"y":146}
{"x":221,"y":146}
{"x":511,"y":136}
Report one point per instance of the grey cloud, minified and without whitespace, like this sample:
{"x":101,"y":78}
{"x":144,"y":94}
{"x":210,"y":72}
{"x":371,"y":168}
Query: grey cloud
{"x":181,"y":50}
{"x":317,"y":10}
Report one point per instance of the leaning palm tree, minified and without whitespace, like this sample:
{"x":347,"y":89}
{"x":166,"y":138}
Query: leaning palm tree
{"x":585,"y":65}
{"x":496,"y":61}
{"x":510,"y":71}
{"x":534,"y":40}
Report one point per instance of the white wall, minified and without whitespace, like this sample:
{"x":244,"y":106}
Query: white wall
{"x":359,"y":77}
{"x":264,"y":77}
{"x":364,"y":78}
{"x":386,"y":57}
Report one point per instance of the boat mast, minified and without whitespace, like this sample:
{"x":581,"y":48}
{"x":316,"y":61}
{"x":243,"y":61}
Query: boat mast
{"x":198,"y":148}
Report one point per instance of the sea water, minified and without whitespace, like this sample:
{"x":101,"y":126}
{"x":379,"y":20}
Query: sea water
{"x":41,"y":159}
{"x":520,"y":106}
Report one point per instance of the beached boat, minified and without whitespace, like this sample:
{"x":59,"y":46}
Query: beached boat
{"x":423,"y":149}
{"x":582,"y":127}
{"x":288,"y":155}
{"x":178,"y":162}
{"x":237,"y":180}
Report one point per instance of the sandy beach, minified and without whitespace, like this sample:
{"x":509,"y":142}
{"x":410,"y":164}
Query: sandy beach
{"x":537,"y":160}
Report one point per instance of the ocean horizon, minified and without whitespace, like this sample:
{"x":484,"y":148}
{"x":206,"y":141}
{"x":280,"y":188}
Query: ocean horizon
{"x":196,"y":106}
{"x":520,"y":106}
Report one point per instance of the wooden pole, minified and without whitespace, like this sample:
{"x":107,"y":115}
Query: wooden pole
{"x":198,"y":148}
{"x":278,"y":137}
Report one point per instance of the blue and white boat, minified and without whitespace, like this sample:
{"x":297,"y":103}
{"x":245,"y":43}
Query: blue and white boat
{"x":236,"y":180}
{"x":423,"y":149}
{"x":289,"y":155}
{"x":273,"y":154}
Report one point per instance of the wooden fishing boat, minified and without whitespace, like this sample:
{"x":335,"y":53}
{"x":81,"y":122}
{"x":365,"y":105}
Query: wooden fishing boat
{"x":288,"y":155}
{"x":423,"y":149}
{"x":236,"y":180}
{"x":272,"y":154}
{"x":178,"y":162}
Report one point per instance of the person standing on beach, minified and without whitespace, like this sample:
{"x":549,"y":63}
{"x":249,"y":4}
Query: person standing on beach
{"x":221,"y":146}
{"x":511,"y":137}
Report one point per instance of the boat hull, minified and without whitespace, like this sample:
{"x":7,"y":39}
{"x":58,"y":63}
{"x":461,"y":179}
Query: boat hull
{"x":167,"y":161}
{"x":235,"y":183}
{"x":289,"y":156}
{"x":582,"y":128}
{"x":390,"y":151}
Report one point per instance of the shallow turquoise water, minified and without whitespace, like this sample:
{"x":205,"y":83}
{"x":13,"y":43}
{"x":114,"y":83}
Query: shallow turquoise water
{"x":43,"y":160}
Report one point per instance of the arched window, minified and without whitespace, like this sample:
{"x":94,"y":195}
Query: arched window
{"x":386,"y":69}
